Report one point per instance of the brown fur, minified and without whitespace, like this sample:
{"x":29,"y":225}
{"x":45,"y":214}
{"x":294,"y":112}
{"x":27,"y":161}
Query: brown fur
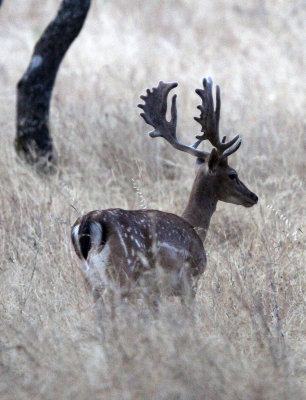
{"x":140,"y":240}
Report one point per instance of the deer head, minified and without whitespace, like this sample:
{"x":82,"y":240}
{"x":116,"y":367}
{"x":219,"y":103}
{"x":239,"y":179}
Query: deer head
{"x":215,"y":178}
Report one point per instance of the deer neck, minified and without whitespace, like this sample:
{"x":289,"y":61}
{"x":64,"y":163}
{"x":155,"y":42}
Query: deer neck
{"x":201,"y":205}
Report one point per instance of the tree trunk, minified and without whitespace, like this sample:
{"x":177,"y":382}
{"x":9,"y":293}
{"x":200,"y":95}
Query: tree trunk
{"x":33,"y":141}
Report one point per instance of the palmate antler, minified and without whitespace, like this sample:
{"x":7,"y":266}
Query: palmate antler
{"x":209,"y":120}
{"x":155,"y":110}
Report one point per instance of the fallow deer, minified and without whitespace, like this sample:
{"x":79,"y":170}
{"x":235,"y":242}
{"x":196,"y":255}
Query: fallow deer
{"x":123,"y":245}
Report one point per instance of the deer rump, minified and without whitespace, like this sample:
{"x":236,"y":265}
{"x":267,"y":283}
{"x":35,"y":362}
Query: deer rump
{"x":130,"y":247}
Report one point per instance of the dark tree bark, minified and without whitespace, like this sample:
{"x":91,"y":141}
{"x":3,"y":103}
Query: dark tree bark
{"x":33,"y":141}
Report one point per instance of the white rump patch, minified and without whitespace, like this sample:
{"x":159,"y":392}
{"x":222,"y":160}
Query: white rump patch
{"x":75,"y":235}
{"x":75,"y":232}
{"x":95,"y":233}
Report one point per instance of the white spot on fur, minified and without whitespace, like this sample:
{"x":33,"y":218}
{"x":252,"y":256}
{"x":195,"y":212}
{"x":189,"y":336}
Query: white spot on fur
{"x":173,"y":248}
{"x":136,"y":241}
{"x":143,"y":259}
{"x":122,"y":243}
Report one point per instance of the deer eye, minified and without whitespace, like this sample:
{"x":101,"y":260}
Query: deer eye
{"x":232,"y":176}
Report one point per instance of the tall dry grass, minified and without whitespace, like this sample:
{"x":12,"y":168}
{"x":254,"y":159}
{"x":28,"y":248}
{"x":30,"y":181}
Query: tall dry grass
{"x":244,"y":339}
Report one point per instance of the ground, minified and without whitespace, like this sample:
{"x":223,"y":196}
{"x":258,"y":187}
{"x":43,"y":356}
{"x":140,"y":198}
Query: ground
{"x":244,"y":337}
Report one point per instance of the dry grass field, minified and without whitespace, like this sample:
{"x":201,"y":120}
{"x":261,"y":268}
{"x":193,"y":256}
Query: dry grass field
{"x":244,"y":338}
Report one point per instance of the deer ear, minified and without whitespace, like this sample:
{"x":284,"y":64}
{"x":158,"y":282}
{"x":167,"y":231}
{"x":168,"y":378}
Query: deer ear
{"x":213,"y":160}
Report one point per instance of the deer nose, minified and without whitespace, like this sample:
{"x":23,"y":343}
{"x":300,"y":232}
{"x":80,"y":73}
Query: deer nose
{"x":254,"y":197}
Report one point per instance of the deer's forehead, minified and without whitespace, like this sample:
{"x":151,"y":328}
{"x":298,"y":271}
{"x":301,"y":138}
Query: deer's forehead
{"x":226,"y":169}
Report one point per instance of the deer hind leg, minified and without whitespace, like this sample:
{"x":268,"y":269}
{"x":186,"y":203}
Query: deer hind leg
{"x":188,"y":291}
{"x":95,"y":270}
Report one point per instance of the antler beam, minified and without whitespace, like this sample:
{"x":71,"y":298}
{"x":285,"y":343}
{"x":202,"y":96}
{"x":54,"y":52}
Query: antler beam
{"x":155,"y":110}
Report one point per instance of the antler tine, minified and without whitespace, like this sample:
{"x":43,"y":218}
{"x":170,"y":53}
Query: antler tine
{"x":232,"y":149}
{"x":155,"y":110}
{"x":209,"y":118}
